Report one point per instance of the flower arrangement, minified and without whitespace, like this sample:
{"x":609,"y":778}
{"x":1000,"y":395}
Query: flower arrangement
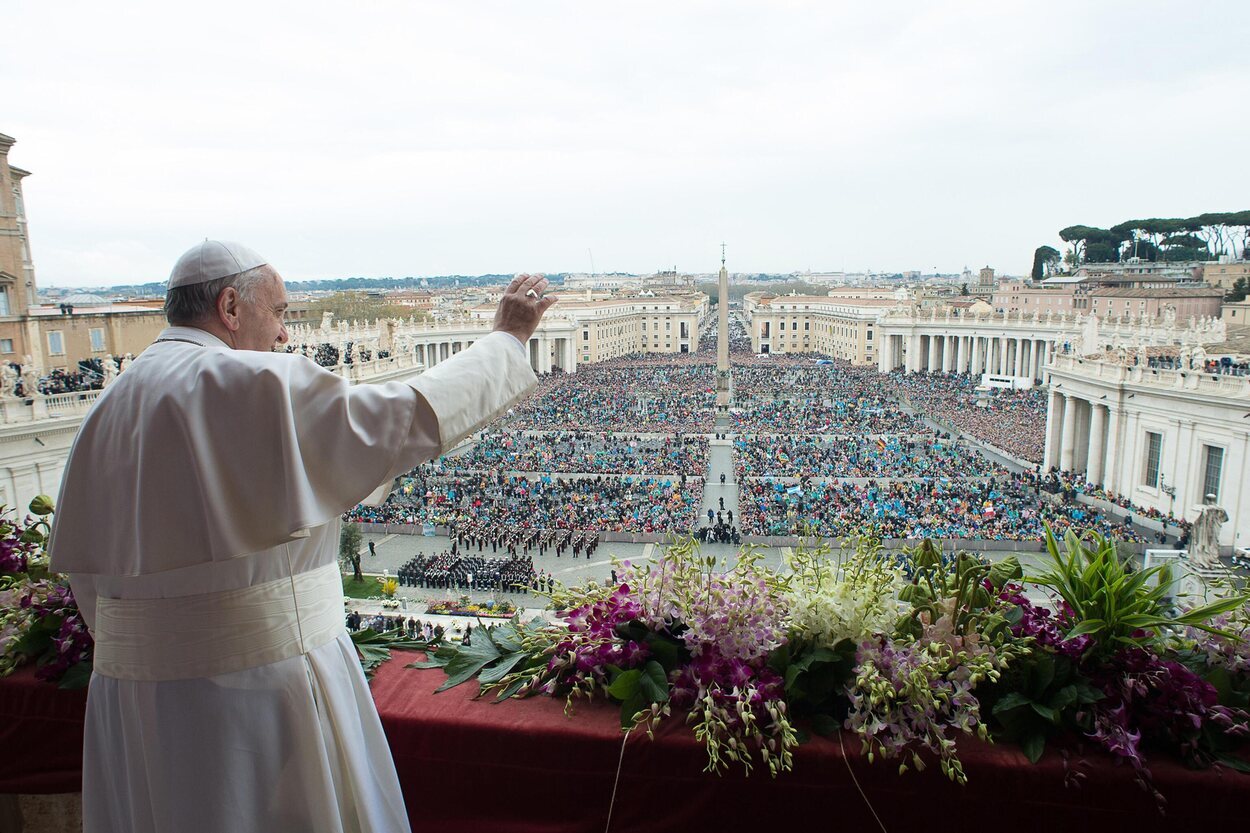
{"x":389,"y":587}
{"x":465,"y":606}
{"x":907,"y":654}
{"x":39,"y":621}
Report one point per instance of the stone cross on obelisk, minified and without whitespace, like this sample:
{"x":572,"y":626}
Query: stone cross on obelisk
{"x":722,"y":337}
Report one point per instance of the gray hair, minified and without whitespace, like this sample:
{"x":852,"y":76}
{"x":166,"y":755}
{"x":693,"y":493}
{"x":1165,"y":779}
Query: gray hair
{"x":193,"y":304}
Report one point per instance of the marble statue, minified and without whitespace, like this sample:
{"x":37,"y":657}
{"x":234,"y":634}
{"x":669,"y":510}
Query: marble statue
{"x":126,"y":360}
{"x":110,"y":369}
{"x":326,"y":318}
{"x":30,"y":378}
{"x":1198,"y":358}
{"x":8,"y":380}
{"x":1204,"y":535}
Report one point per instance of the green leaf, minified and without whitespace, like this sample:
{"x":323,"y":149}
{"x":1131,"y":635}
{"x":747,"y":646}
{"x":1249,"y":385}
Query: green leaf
{"x":1014,"y":700}
{"x":653,"y":683}
{"x":1033,"y":746}
{"x":1044,"y":672}
{"x":1063,"y":698}
{"x":666,"y":652}
{"x":626,"y":685}
{"x":499,"y":670}
{"x":631,"y":708}
{"x":825,"y":724}
{"x":1234,"y":763}
{"x":1086,"y":626}
{"x":78,"y":676}
{"x":511,"y":689}
{"x":1045,"y":712}
{"x":468,"y":661}
{"x":1004,"y":571}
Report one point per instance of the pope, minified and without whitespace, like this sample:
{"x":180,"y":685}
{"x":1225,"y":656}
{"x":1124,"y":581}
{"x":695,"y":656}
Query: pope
{"x":198,"y":522}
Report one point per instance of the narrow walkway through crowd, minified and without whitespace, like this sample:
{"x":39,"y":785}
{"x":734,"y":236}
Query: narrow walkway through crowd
{"x":720,"y":497}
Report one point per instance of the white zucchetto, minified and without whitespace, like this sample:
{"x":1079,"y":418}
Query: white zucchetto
{"x":211,"y":260}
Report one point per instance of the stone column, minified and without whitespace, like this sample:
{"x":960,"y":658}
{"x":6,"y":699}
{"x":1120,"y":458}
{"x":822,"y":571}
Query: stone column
{"x":1068,"y":441}
{"x":1097,"y":428}
{"x":975,"y":369}
{"x":1054,"y":417}
{"x":1111,"y":457}
{"x":933,"y":354}
{"x":1019,"y":357}
{"x":961,"y":359}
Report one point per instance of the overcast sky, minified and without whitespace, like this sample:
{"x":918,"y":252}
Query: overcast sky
{"x":417,"y":138}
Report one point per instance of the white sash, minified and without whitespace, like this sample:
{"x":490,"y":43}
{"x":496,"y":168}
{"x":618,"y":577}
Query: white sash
{"x":217,"y":633}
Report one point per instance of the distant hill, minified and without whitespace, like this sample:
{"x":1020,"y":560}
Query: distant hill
{"x":331,"y":284}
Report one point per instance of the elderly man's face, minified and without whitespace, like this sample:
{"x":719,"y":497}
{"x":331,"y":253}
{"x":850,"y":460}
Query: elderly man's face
{"x":262,"y":320}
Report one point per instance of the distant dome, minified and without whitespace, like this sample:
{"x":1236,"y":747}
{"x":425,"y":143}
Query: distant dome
{"x":83,"y":299}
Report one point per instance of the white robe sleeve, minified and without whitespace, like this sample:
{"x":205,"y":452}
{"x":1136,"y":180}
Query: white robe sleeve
{"x":461,"y":394}
{"x":199,"y":454}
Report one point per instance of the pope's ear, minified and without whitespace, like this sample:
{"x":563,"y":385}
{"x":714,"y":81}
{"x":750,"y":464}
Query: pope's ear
{"x":228,"y":308}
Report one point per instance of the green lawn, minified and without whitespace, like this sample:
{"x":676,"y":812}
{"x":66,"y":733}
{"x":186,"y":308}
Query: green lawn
{"x":361,"y":589}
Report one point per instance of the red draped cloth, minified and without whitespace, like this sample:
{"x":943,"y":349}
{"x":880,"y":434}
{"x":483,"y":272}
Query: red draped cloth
{"x":523,"y":767}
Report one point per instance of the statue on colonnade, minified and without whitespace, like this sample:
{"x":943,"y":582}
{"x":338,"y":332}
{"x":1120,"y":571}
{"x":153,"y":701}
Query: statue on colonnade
{"x":1204,"y":535}
{"x":8,"y":380}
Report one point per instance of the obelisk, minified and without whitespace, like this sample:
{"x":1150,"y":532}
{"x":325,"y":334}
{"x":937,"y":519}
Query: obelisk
{"x":722,"y":337}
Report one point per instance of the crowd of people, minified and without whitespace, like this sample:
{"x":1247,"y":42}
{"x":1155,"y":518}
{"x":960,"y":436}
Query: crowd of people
{"x":599,"y":503}
{"x":888,"y":456}
{"x":464,"y":571}
{"x":412,"y":627}
{"x":582,"y":452}
{"x":1013,"y":420}
{"x":823,"y":423}
{"x":997,"y":510}
{"x":795,"y":395}
{"x":644,"y":394}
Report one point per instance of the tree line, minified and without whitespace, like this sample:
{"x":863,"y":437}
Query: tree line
{"x":1170,"y":239}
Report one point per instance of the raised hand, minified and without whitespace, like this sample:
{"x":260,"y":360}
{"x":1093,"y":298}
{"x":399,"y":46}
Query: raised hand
{"x":522,"y":306}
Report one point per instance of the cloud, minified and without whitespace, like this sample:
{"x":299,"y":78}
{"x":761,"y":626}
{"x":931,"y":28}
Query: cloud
{"x":421,"y":137}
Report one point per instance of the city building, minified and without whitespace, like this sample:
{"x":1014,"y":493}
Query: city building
{"x":1103,"y":295}
{"x":94,"y":330}
{"x":1226,"y":273}
{"x":1184,"y":302}
{"x":1163,"y":438}
{"x":1236,"y":313}
{"x":611,"y":325}
{"x":839,"y":327}
{"x":17,"y":271}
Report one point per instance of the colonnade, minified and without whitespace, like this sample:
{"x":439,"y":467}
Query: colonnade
{"x":545,"y":353}
{"x":1006,"y":355}
{"x":1082,"y":437}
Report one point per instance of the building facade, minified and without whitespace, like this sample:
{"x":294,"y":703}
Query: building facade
{"x":610,"y":326}
{"x":94,"y":332}
{"x":1162,"y":438}
{"x":839,"y":327}
{"x":17,"y":271}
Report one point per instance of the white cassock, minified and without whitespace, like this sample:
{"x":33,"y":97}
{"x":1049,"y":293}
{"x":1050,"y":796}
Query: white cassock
{"x":198,"y":520}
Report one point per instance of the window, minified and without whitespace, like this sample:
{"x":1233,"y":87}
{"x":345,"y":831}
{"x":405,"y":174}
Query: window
{"x":56,"y":343}
{"x":97,"y":339}
{"x":1154,"y":451}
{"x":585,"y":335}
{"x":6,"y":345}
{"x":4,"y":301}
{"x":1212,"y":470}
